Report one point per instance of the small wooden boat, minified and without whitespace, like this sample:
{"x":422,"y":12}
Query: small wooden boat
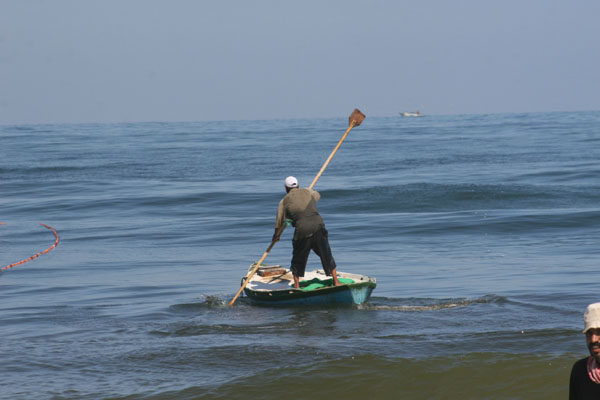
{"x":274,"y":285}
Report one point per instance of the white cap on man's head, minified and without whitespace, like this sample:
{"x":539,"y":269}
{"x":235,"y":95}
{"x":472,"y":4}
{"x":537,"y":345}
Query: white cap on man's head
{"x":591,"y":318}
{"x":291,"y":182}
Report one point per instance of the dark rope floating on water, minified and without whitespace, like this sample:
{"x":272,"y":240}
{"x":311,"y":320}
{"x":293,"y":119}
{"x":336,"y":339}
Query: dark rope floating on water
{"x":38,"y":254}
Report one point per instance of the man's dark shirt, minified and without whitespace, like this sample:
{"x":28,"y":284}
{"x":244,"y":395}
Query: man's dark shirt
{"x":581,"y":386}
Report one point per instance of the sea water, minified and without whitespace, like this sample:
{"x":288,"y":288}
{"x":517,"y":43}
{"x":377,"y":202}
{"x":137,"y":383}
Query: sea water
{"x":483,"y":232}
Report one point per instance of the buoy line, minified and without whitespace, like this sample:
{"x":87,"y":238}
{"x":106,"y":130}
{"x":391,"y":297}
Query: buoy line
{"x":37,"y":254}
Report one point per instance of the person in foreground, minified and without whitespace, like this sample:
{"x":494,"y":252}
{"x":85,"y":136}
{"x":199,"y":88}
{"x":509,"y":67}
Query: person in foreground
{"x":300,"y":206}
{"x":585,"y":374}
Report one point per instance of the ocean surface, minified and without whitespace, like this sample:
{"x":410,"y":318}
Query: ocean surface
{"x":483,"y":232}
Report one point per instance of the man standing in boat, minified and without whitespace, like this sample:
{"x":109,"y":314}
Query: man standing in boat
{"x":300,"y":206}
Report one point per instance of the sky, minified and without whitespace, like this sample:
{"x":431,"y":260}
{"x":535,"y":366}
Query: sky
{"x":72,"y":61}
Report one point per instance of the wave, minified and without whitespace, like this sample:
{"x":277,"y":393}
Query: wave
{"x":394,"y":304}
{"x":387,"y":227}
{"x":208,"y":302}
{"x":423,"y":197}
{"x":215,"y":302}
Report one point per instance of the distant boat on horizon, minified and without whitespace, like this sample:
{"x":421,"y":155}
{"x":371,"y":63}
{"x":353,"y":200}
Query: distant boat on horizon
{"x":411,"y":114}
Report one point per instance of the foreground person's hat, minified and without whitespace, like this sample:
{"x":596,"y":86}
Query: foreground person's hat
{"x":291,"y":182}
{"x":591,"y":318}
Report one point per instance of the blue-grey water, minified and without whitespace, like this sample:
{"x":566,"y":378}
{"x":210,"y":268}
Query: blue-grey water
{"x":483,"y":232}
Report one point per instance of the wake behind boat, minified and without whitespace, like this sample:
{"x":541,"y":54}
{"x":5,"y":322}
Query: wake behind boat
{"x":274,"y":285}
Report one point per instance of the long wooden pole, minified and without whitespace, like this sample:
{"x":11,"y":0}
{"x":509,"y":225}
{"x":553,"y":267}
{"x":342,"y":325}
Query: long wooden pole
{"x":265,"y":254}
{"x":356,"y":118}
{"x":352,"y":123}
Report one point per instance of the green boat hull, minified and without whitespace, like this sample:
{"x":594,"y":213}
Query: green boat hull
{"x":348,"y":294}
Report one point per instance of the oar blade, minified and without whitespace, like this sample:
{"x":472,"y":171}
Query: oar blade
{"x":356,"y":117}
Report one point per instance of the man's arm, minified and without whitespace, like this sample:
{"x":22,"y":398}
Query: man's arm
{"x":279,"y":222}
{"x":276,"y":235}
{"x":315,"y":195}
{"x":574,"y":383}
